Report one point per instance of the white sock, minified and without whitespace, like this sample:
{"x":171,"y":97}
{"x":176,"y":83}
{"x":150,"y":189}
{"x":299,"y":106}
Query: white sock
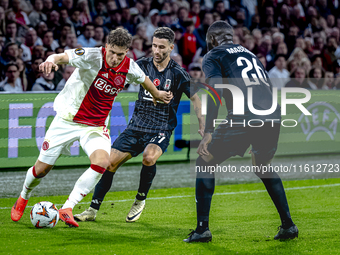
{"x":30,"y":183}
{"x":86,"y":182}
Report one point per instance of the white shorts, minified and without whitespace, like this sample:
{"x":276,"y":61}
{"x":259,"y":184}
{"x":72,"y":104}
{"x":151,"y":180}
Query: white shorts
{"x":62,"y":133}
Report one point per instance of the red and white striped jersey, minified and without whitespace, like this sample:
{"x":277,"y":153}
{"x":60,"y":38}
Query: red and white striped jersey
{"x":89,"y":93}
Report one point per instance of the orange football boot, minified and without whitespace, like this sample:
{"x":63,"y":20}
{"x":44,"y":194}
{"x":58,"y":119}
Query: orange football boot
{"x":66,"y":216}
{"x":18,"y":209}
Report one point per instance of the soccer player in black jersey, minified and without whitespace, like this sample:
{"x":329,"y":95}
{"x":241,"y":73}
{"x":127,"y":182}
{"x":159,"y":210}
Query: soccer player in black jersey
{"x":228,"y":63}
{"x":150,"y":127}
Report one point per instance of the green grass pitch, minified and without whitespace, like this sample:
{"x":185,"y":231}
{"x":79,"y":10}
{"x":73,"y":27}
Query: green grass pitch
{"x":243,"y":220}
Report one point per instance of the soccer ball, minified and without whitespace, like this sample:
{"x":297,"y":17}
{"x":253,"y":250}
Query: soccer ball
{"x":44,"y":215}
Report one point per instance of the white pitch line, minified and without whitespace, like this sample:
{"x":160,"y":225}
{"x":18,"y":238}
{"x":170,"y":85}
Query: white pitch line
{"x":216,"y":194}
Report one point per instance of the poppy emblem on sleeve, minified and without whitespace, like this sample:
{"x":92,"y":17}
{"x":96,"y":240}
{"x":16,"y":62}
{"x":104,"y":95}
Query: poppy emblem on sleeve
{"x":156,"y":82}
{"x":79,"y":51}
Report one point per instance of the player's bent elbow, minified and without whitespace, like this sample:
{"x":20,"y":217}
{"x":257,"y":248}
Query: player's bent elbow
{"x":63,"y":58}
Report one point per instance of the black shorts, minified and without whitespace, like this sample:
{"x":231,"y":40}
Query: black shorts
{"x":231,"y":141}
{"x":135,"y":142}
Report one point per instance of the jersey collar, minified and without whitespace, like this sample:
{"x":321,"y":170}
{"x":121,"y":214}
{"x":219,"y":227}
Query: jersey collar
{"x":117,"y":68}
{"x":168,"y":66}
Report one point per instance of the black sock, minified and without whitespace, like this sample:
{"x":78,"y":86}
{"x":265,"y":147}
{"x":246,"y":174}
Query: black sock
{"x":146,"y":177}
{"x":274,"y":186}
{"x":205,"y":186}
{"x":202,"y":226}
{"x":102,"y":187}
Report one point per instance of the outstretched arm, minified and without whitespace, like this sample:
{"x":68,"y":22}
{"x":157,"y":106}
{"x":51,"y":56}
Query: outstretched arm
{"x":52,"y":62}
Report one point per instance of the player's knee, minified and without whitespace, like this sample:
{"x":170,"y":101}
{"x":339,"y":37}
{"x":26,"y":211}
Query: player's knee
{"x":42,"y":169}
{"x":149,"y":160}
{"x":106,"y":163}
{"x":103,"y":162}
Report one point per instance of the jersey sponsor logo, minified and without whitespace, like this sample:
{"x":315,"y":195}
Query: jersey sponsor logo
{"x":106,"y":75}
{"x":101,"y":84}
{"x":79,"y":51}
{"x":45,"y":145}
{"x":118,"y":80}
{"x":156,"y":82}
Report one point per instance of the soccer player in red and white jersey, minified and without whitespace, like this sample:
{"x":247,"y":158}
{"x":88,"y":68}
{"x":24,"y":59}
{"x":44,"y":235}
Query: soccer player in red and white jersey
{"x":83,"y":108}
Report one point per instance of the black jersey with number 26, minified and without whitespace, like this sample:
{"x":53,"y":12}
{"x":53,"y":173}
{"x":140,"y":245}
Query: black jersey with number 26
{"x":235,"y":65}
{"x":150,"y":118}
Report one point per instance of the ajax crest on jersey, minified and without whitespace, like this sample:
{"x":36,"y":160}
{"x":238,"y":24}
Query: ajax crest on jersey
{"x":44,"y":215}
{"x":118,"y":80}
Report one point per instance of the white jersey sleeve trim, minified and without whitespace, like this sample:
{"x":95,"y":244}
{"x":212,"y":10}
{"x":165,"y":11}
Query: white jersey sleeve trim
{"x":135,"y":75}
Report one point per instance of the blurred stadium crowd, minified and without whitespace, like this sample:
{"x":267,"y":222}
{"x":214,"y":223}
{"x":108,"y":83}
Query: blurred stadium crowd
{"x":293,"y":38}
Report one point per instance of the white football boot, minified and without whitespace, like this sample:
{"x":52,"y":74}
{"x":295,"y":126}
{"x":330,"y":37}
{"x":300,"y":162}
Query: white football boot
{"x":135,"y":211}
{"x":87,"y":215}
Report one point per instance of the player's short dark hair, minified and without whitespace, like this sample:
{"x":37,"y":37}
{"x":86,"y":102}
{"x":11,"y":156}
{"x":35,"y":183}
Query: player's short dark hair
{"x":119,"y":37}
{"x":221,"y":28}
{"x":165,"y":33}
